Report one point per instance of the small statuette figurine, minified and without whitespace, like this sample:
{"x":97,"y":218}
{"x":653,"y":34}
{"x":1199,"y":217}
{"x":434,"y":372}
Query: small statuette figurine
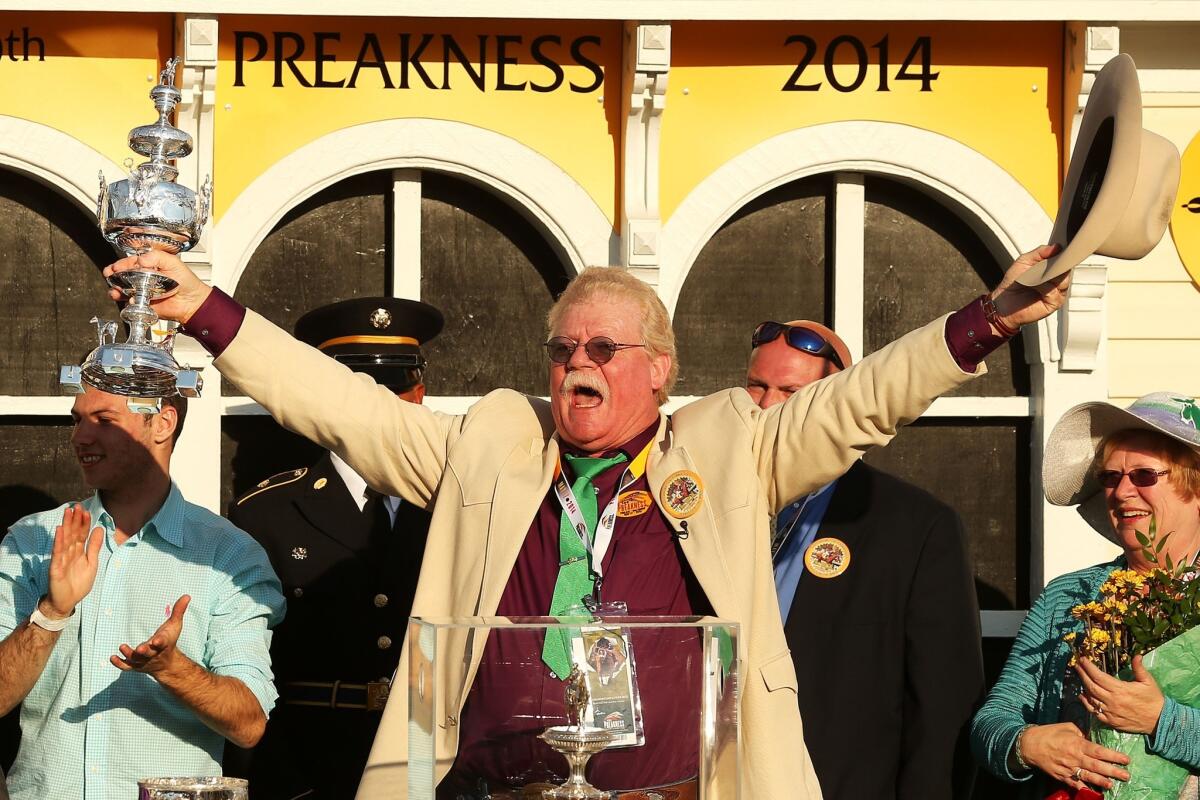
{"x":576,"y":697}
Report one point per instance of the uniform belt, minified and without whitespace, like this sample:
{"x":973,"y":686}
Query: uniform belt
{"x":684,"y":790}
{"x":369,"y":696}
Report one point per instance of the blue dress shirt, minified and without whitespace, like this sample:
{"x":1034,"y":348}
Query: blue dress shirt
{"x":799,"y":521}
{"x":88,"y":730}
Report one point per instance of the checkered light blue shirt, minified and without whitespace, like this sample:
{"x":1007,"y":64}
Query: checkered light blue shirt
{"x":90,"y":731}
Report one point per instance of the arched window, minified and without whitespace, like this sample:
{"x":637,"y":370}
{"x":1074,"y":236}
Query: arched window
{"x":419,"y":234}
{"x":51,"y":254}
{"x":873,"y":258}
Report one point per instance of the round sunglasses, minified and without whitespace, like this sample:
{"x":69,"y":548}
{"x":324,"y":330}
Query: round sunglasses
{"x":600,"y":349}
{"x":804,"y":339}
{"x":1142,"y":477}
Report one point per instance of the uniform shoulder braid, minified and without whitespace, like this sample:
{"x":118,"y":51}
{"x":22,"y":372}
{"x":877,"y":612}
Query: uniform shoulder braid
{"x":274,"y":482}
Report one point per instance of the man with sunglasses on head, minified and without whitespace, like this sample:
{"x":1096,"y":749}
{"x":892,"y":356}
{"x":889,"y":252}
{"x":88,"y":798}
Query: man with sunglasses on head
{"x":878,"y":604}
{"x":677,"y":522}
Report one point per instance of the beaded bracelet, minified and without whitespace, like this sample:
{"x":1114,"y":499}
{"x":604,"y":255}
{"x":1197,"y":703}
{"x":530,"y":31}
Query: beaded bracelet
{"x":1021,"y":762}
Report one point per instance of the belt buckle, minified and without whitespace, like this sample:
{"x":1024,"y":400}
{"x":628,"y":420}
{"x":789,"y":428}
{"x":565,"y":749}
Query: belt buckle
{"x":377,"y":694}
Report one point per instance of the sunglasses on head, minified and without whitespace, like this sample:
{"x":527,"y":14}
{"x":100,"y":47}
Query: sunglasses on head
{"x":804,"y":339}
{"x":1142,"y":476}
{"x":600,"y":349}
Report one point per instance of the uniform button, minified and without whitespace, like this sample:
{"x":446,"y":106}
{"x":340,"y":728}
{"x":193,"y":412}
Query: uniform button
{"x":970,"y":334}
{"x":297,"y":592}
{"x":384,"y":642}
{"x":381,"y":600}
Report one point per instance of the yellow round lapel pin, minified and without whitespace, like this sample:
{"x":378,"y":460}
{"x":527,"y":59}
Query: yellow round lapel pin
{"x":827,"y":558}
{"x":682,"y":494}
{"x":634,"y":504}
{"x":319,"y":483}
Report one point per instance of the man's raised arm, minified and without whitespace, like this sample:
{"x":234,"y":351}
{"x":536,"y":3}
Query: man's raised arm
{"x":818,"y":433}
{"x":396,"y":446}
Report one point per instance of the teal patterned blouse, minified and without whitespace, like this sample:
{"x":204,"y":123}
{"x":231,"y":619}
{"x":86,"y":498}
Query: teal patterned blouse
{"x":1030,"y":688}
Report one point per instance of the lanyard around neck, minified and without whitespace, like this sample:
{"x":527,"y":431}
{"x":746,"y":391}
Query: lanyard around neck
{"x":597,"y":546}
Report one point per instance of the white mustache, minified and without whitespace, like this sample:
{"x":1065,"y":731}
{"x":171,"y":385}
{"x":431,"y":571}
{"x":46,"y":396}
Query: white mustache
{"x":585,"y":380}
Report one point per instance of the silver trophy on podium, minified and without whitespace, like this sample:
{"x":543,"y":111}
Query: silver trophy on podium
{"x":146,"y":211}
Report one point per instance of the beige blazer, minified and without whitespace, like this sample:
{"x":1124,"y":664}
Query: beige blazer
{"x":484,"y":474}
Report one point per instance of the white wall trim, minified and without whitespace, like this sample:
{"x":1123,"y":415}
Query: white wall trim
{"x":56,"y":159}
{"x":533,"y":184}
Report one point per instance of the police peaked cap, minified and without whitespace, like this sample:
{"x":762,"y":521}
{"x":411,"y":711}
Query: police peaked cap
{"x":379,"y":336}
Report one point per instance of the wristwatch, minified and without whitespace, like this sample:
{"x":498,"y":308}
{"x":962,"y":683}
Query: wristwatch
{"x":45,"y":623}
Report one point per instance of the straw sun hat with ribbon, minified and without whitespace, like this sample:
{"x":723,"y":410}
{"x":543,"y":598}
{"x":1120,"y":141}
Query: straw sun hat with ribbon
{"x":1121,"y":182}
{"x":1068,"y":471}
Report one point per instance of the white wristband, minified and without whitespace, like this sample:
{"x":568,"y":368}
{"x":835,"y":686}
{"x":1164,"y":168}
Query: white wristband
{"x":45,"y":623}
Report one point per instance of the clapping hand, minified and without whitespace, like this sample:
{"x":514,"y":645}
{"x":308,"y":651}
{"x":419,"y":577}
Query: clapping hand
{"x":158,"y":652}
{"x":74,"y":559}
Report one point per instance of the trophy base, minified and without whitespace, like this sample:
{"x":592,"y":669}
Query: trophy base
{"x":155,"y":284}
{"x":139,"y":371}
{"x":577,"y":744}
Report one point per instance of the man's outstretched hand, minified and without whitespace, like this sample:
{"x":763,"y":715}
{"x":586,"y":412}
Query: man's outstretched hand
{"x":1017,"y":304}
{"x":179,"y":305}
{"x":157,"y":653}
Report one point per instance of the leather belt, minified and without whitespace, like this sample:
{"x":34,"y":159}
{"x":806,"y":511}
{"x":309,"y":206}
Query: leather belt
{"x":369,"y":696}
{"x":684,"y":790}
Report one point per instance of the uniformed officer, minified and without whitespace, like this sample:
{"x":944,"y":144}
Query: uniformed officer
{"x":348,"y":559}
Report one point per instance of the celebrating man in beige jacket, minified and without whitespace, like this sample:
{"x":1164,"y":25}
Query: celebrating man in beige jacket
{"x":710,"y":475}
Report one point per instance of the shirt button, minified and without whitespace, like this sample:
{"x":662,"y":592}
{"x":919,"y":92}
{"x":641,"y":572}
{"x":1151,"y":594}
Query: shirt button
{"x":970,"y":334}
{"x":204,"y":332}
{"x":95,"y":769}
{"x":381,"y":600}
{"x":384,"y":642}
{"x":297,"y":592}
{"x":108,"y":612}
{"x":116,"y":562}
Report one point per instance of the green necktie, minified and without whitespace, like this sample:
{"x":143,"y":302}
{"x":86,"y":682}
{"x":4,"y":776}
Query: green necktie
{"x":574,"y":572}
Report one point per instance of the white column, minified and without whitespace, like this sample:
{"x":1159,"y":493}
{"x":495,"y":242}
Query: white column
{"x":647,"y":59}
{"x":406,"y":233}
{"x":849,"y":203}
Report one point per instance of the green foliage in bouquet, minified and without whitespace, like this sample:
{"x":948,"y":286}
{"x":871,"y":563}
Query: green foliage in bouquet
{"x":1137,"y":613}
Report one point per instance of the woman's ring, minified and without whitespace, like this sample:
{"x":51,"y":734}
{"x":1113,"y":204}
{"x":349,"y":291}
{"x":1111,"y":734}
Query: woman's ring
{"x":1099,"y":708}
{"x":1077,"y":773}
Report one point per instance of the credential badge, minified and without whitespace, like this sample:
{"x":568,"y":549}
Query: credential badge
{"x":299,"y":553}
{"x":827,"y":558}
{"x":682,"y":494}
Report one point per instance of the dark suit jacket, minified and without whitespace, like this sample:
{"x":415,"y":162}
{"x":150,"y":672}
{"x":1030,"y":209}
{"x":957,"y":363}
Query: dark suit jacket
{"x":349,"y":590}
{"x":887,"y":654}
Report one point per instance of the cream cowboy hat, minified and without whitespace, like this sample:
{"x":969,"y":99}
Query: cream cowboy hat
{"x":1067,"y":467}
{"x":1121,"y":182}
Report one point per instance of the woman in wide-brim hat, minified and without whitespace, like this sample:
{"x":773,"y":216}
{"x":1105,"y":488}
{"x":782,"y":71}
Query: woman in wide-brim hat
{"x":1122,"y":468}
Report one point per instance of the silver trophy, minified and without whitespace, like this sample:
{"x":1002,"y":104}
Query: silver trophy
{"x":211,"y":788}
{"x":146,"y":211}
{"x":577,"y":742}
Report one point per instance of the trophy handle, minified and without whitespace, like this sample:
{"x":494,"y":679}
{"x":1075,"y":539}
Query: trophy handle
{"x":204,"y":201}
{"x":102,"y":202}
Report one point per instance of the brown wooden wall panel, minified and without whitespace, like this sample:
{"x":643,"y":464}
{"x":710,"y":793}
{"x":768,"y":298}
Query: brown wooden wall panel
{"x":977,"y":467}
{"x":919,"y":262}
{"x":51,"y":254}
{"x":494,"y":277}
{"x":253,"y":448}
{"x":768,"y":262}
{"x":331,"y":247}
{"x":38,"y":469}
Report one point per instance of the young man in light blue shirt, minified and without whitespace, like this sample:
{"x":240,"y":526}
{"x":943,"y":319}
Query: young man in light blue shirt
{"x":136,"y":623}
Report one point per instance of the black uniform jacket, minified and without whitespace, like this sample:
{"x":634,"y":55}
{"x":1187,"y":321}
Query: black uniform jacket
{"x":349,"y":586}
{"x":887,"y":654}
